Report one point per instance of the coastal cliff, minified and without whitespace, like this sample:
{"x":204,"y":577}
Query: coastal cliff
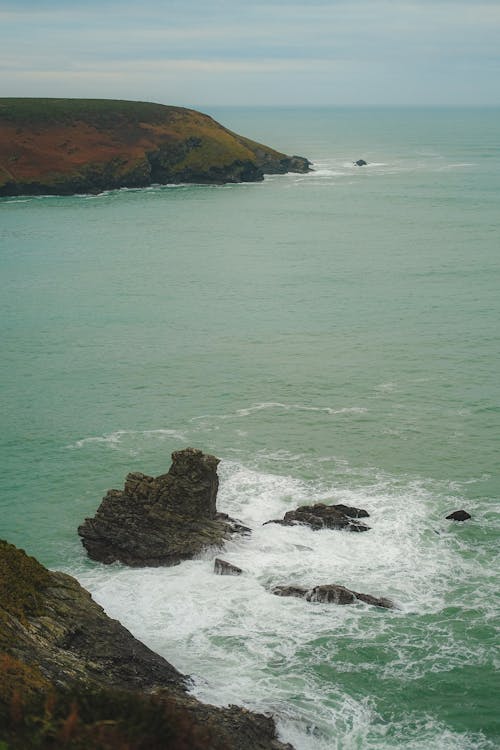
{"x":72,"y":677}
{"x":68,"y":146}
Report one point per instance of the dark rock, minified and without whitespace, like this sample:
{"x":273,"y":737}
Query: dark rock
{"x":377,"y":601}
{"x":223,"y":568}
{"x":350,"y":511}
{"x":333,"y":593}
{"x":459,"y":515}
{"x":360,"y":163}
{"x":322,"y":516}
{"x":298,"y":591}
{"x":61,"y":653}
{"x":161,"y":520}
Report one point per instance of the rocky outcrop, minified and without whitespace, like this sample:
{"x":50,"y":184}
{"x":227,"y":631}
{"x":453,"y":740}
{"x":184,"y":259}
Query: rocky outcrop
{"x":333,"y":593}
{"x":66,"y":146}
{"x":161,"y":520}
{"x":224,"y":568}
{"x":459,"y":515}
{"x":322,"y":516}
{"x":72,"y":677}
{"x":360,"y":163}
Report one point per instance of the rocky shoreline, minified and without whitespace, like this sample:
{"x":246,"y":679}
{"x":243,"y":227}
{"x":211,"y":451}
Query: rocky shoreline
{"x":73,"y":677}
{"x":71,"y":146}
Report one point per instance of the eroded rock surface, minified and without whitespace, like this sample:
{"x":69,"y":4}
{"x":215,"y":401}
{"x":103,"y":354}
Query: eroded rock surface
{"x":322,"y":516}
{"x":72,"y":677}
{"x":161,"y":520}
{"x":333,"y":593}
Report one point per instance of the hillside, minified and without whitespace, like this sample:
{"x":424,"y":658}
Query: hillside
{"x":66,"y":146}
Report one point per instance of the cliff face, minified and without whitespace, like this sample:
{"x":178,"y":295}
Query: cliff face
{"x":66,"y":146}
{"x":72,"y":677}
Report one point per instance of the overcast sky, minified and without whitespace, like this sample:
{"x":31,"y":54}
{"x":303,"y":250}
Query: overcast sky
{"x":258,"y":52}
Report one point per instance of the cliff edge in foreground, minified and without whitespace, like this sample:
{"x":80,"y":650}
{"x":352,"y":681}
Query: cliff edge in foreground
{"x":72,"y":677}
{"x":66,"y":146}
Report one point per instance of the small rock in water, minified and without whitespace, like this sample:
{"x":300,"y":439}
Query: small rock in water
{"x":322,"y":516}
{"x":459,"y":515}
{"x":223,"y":568}
{"x":299,"y":591}
{"x":360,"y":163}
{"x":332,"y":593}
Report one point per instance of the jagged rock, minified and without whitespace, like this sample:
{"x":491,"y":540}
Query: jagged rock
{"x":161,"y":520}
{"x":322,"y":516}
{"x":360,"y":163}
{"x":459,"y":515}
{"x":350,"y":511}
{"x":223,"y":568}
{"x":333,"y":593}
{"x":62,"y":656}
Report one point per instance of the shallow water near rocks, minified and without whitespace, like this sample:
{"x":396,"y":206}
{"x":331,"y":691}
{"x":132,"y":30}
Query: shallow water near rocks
{"x":331,"y":337}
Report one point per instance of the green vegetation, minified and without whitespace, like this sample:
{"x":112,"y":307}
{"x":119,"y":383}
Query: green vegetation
{"x":97,"y":111}
{"x":42,"y":716}
{"x":22,"y":581}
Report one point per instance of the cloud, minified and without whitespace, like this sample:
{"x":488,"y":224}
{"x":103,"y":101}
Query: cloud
{"x":264,"y":44}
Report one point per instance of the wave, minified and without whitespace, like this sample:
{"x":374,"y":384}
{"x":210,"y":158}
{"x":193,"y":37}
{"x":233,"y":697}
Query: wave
{"x":321,"y":670}
{"x":116,"y":439}
{"x":248,"y":410}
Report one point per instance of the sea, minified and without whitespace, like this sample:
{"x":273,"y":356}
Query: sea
{"x":331,"y":337}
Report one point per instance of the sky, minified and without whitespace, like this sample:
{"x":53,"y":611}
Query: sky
{"x":199,"y":53}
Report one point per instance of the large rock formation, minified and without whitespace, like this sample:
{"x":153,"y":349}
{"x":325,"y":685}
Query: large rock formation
{"x":322,"y":516}
{"x":161,"y":520}
{"x":332,"y":592}
{"x":72,"y":677}
{"x":65,"y":146}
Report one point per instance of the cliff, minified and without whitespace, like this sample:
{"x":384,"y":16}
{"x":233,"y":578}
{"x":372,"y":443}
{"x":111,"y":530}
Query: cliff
{"x":66,"y":146}
{"x":72,"y":677}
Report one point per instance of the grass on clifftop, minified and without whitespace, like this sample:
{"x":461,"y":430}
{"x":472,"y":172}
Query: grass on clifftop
{"x":33,"y":110}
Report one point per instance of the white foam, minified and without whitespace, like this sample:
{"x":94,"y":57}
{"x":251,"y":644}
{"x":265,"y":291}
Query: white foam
{"x":115,"y":439}
{"x":242,"y":643}
{"x":277,"y":405}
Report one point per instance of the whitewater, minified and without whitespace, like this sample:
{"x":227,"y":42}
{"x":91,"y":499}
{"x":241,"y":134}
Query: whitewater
{"x":331,"y":337}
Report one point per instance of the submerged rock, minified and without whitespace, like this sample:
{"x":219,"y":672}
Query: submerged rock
{"x":73,"y":677}
{"x":161,"y":520}
{"x":223,"y":568}
{"x":333,"y":593}
{"x":322,"y":516}
{"x":459,"y":515}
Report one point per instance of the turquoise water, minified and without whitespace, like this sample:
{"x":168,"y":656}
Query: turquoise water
{"x":332,"y":336}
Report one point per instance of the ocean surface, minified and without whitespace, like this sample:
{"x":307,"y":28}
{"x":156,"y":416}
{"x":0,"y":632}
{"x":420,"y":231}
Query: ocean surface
{"x":331,"y":337}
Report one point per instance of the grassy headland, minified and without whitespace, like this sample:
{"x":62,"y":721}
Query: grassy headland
{"x":65,"y":146}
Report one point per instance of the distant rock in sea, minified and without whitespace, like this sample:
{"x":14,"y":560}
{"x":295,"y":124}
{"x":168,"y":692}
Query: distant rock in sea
{"x":67,"y":146}
{"x":360,"y":163}
{"x":161,"y":520}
